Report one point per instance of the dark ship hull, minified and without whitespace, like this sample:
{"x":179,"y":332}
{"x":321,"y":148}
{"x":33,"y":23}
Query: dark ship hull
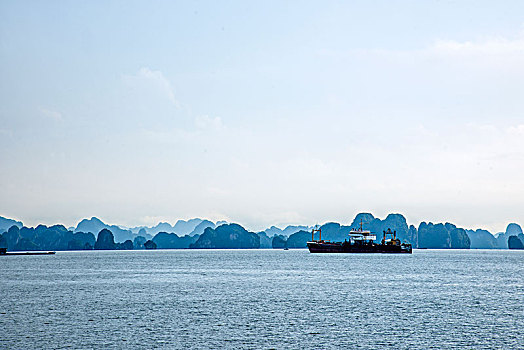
{"x":4,"y":252}
{"x":347,"y":247}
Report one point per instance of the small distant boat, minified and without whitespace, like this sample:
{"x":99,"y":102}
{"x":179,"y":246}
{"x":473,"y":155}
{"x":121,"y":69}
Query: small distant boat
{"x":4,"y":252}
{"x":286,"y":248}
{"x":360,"y":241}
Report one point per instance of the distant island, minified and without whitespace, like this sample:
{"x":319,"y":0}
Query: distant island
{"x":94,"y":234}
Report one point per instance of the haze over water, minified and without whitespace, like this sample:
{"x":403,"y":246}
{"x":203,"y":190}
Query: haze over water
{"x":262,"y":113}
{"x":245,"y":299}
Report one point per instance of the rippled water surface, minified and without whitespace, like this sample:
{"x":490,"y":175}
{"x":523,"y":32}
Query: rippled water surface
{"x":243,"y":299}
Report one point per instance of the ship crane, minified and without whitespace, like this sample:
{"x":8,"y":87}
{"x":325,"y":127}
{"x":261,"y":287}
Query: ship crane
{"x":319,"y":230}
{"x":392,"y":241}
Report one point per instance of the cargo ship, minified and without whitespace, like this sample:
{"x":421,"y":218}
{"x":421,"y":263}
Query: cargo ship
{"x":359,"y":241}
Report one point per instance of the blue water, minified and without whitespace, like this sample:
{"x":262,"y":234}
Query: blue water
{"x":263,"y":299}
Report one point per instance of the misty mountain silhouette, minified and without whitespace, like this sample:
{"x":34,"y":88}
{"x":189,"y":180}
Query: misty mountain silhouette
{"x":5,"y":224}
{"x":201,"y":233}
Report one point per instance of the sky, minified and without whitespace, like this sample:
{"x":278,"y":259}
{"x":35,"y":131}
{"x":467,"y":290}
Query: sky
{"x":263,"y":112}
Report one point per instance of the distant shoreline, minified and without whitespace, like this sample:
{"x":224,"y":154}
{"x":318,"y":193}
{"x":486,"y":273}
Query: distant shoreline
{"x":93,"y":234}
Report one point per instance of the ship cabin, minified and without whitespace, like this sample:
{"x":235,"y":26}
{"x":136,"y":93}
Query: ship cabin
{"x":360,"y":236}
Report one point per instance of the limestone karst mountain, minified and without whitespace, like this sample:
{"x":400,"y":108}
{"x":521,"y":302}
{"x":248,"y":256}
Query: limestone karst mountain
{"x":201,"y":233}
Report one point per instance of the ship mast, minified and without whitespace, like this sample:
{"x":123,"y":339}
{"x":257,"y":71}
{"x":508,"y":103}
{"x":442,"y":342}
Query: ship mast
{"x":360,"y":234}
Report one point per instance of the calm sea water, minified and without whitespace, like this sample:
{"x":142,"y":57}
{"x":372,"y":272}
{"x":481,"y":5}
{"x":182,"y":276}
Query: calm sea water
{"x":263,"y":299}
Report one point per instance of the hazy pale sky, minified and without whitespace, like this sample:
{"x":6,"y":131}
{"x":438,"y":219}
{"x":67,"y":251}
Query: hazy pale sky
{"x":262,"y":113}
